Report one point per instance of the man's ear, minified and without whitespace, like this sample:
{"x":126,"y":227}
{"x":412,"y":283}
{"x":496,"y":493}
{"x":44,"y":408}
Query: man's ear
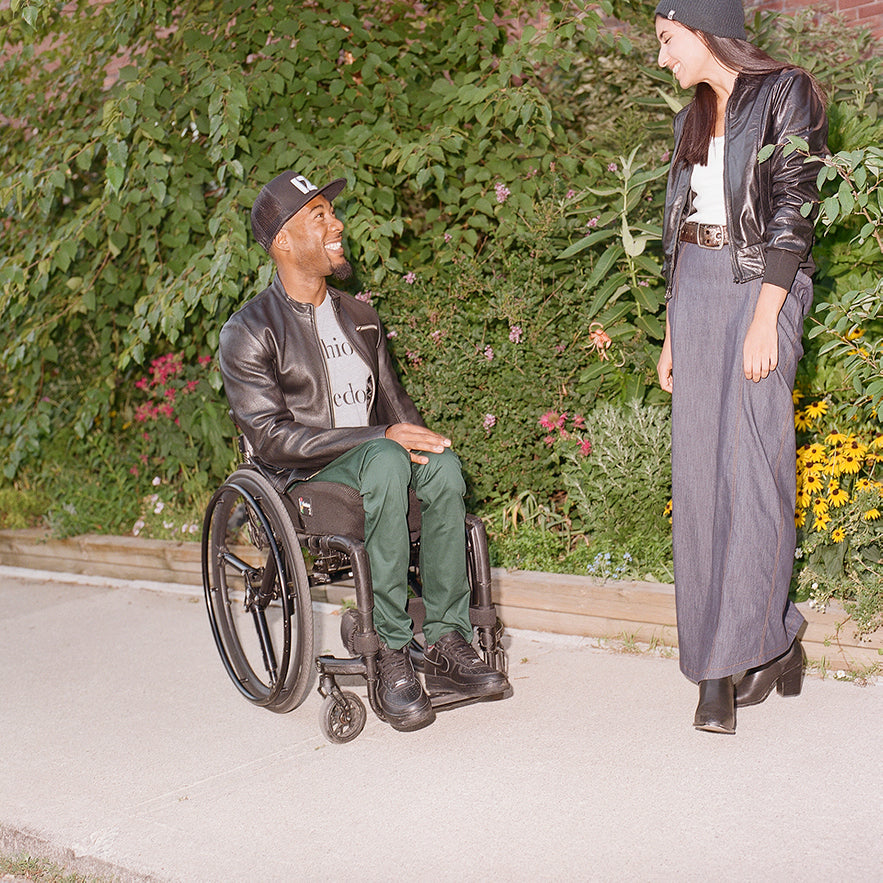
{"x":281,"y":241}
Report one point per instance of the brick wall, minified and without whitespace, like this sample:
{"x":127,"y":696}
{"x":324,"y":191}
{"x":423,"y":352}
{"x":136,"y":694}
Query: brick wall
{"x":868,"y":13}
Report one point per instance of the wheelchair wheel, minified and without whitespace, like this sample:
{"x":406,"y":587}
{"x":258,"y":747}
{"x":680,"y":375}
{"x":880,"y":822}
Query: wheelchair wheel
{"x":342,"y":721}
{"x":257,"y":592}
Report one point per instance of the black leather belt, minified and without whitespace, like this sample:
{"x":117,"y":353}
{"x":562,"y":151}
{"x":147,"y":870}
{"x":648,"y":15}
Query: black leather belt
{"x":706,"y":235}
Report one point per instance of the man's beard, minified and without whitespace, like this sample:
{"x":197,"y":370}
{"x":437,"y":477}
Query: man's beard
{"x":342,"y":271}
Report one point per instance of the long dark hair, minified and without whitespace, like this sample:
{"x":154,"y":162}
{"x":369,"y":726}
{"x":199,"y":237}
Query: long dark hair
{"x":742,"y":57}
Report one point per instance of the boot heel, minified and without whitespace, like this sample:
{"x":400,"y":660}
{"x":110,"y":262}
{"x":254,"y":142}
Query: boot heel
{"x":791,"y":682}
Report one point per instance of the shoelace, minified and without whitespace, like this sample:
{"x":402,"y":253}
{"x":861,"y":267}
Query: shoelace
{"x":394,"y":668}
{"x":461,"y":651}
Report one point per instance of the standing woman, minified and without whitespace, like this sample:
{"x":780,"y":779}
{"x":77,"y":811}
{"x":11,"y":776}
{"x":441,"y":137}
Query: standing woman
{"x":738,"y":264}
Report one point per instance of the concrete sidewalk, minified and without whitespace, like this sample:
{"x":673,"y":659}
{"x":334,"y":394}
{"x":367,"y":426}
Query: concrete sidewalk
{"x":126,"y":751}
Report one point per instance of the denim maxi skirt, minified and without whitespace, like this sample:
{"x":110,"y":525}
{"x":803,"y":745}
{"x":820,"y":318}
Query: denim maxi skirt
{"x":733,"y":471}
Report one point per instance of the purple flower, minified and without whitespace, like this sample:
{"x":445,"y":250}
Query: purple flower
{"x":593,"y":222}
{"x":502,"y":190}
{"x":410,"y":278}
{"x":489,"y":422}
{"x":613,"y":167}
{"x":515,"y":333}
{"x":570,"y":194}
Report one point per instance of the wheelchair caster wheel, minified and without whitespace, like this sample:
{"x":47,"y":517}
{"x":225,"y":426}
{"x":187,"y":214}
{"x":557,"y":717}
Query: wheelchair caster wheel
{"x":342,"y":723}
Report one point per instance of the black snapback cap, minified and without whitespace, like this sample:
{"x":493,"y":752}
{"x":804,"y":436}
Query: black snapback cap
{"x":283,"y":197}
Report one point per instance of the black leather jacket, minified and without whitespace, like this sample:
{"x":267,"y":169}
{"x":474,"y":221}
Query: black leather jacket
{"x":277,"y":383}
{"x":769,"y":237}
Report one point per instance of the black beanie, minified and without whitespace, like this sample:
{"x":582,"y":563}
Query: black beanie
{"x":722,"y":18}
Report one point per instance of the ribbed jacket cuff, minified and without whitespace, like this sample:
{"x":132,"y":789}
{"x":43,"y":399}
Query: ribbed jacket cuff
{"x":781,"y":267}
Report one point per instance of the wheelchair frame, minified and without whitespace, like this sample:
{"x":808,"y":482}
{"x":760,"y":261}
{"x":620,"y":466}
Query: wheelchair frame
{"x":258,"y":597}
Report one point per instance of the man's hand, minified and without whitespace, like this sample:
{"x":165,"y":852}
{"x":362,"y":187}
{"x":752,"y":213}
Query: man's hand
{"x":415,"y":438}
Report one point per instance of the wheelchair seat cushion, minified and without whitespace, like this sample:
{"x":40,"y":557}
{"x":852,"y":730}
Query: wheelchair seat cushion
{"x":325,"y":508}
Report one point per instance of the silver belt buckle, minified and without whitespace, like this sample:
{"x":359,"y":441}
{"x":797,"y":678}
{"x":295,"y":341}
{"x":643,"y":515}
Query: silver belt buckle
{"x":711,"y":236}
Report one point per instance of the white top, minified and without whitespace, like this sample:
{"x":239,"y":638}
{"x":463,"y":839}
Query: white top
{"x":347,"y":372}
{"x":708,"y":187}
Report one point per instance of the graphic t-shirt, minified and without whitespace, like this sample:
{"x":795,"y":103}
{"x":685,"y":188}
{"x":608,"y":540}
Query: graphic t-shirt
{"x":347,"y":372}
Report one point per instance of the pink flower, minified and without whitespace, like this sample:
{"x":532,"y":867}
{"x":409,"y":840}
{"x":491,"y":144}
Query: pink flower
{"x":585,"y":447}
{"x":364,"y":297}
{"x":502,"y":192}
{"x":515,"y":333}
{"x":579,"y":421}
{"x":560,"y":347}
{"x":410,"y":278}
{"x":570,"y":194}
{"x":549,"y":440}
{"x":613,"y":167}
{"x":391,"y":334}
{"x":204,"y":360}
{"x":489,"y":422}
{"x":489,"y":353}
{"x":143,"y":383}
{"x":549,"y":420}
{"x":593,"y":222}
{"x":191,"y":385}
{"x":448,"y":237}
{"x":436,"y":335}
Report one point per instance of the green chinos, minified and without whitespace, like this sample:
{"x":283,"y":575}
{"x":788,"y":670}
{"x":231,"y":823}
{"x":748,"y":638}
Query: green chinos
{"x":381,"y":471}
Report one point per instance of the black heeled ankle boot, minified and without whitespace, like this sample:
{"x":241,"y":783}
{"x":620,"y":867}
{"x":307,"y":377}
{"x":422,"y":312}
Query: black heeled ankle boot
{"x":716,"y":710}
{"x":785,"y":673}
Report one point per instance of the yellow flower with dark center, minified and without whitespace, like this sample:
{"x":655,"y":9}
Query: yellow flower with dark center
{"x":877,"y":442}
{"x":800,"y":518}
{"x":863,"y":484}
{"x":816,"y":409}
{"x":815,"y":453}
{"x":838,"y":497}
{"x":855,"y":334}
{"x":820,"y":506}
{"x":801,"y":421}
{"x":796,"y":395}
{"x":856,"y":445}
{"x":871,"y":515}
{"x":821,"y":522}
{"x":812,"y":481}
{"x":838,"y":535}
{"x":803,"y":498}
{"x":849,"y":462}
{"x":835,"y":438}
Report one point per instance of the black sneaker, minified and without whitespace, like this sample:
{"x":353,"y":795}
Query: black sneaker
{"x":404,"y":703}
{"x":453,"y":668}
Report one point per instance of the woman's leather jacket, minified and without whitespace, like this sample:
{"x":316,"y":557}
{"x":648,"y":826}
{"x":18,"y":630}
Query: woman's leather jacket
{"x":277,"y":383}
{"x":769,"y":238}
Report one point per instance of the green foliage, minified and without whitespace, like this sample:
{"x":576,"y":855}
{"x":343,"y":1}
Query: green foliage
{"x":616,"y":465}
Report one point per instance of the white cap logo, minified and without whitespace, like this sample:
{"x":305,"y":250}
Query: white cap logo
{"x":303,"y":184}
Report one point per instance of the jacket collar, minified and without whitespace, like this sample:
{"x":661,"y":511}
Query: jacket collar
{"x":278,"y":290}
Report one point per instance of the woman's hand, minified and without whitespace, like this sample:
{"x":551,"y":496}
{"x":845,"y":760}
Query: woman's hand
{"x":760,"y":351}
{"x":663,"y":366}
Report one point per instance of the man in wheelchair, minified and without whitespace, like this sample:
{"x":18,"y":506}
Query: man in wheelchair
{"x":311,"y":385}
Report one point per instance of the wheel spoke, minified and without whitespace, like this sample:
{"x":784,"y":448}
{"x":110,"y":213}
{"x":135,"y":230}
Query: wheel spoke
{"x":266,"y":642}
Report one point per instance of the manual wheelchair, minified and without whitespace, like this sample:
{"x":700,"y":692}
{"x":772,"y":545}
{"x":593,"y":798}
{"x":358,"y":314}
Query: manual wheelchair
{"x":257,"y":581}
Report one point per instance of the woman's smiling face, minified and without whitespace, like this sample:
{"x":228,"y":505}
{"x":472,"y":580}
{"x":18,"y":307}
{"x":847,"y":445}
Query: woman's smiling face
{"x":683,"y":52}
